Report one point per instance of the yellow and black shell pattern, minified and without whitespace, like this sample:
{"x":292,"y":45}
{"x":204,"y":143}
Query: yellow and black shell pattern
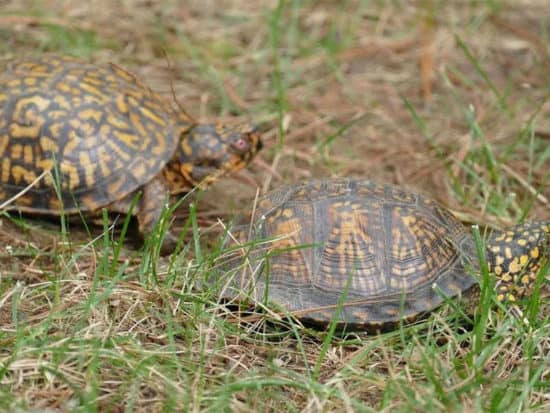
{"x":375,"y":248}
{"x":95,"y":133}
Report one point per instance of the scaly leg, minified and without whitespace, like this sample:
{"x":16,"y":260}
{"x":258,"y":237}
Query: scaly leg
{"x":515,"y":257}
{"x":149,"y":210}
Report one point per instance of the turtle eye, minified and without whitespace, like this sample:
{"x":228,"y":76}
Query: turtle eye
{"x":241,"y":145}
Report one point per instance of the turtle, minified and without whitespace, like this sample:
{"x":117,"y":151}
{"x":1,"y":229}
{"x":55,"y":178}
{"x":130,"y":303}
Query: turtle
{"x":77,"y":137}
{"x":370,"y":256}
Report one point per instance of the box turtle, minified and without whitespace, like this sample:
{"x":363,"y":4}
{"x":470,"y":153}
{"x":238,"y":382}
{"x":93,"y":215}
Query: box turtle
{"x":98,"y":135}
{"x":370,"y":254}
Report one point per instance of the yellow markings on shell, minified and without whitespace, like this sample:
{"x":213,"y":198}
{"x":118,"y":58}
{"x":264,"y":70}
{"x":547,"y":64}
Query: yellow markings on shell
{"x":136,"y":122}
{"x":152,"y":116}
{"x":138,"y":169}
{"x":90,"y":114}
{"x":4,"y":141}
{"x":118,"y":164}
{"x":77,"y":124}
{"x":122,"y":73}
{"x":22,"y":175}
{"x":93,"y":80}
{"x":28,"y":154}
{"x":409,"y":220}
{"x":13,"y":84}
{"x":525,"y":280}
{"x":160,"y":144}
{"x":90,"y":202}
{"x":91,"y":89}
{"x":16,"y":151}
{"x":404,"y":272}
{"x":57,"y":114}
{"x":117,"y":122}
{"x":118,"y":151}
{"x":129,"y":139}
{"x":64,"y":88}
{"x":45,"y":164}
{"x":48,"y":144}
{"x":522,"y":242}
{"x":29,"y":81}
{"x":89,"y":168}
{"x":6,"y":169}
{"x":138,"y":94}
{"x":87,"y":99}
{"x":105,"y":131}
{"x":116,"y":186}
{"x":104,"y":168}
{"x":498,"y":270}
{"x":121,"y":104}
{"x":286,"y":229}
{"x":72,"y":142}
{"x":535,"y":252}
{"x":18,"y":131}
{"x":37,"y":69}
{"x":62,"y":102}
{"x":72,"y":172}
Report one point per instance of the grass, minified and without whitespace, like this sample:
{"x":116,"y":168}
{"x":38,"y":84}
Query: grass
{"x":447,"y":100}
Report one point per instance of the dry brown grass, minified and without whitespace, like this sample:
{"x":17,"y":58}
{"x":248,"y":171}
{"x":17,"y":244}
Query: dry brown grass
{"x":329,"y":83}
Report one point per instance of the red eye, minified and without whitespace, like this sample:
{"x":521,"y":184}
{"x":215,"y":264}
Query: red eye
{"x":241,"y":145}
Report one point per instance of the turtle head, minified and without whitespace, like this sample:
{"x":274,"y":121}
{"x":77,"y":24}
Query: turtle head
{"x":516,"y":256}
{"x":206,"y":152}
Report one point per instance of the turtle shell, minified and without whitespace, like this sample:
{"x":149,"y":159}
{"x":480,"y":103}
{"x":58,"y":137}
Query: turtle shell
{"x":98,"y":130}
{"x":363,"y":254}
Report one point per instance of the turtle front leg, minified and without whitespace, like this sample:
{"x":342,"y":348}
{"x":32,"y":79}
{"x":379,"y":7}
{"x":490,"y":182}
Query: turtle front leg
{"x":148,"y":210}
